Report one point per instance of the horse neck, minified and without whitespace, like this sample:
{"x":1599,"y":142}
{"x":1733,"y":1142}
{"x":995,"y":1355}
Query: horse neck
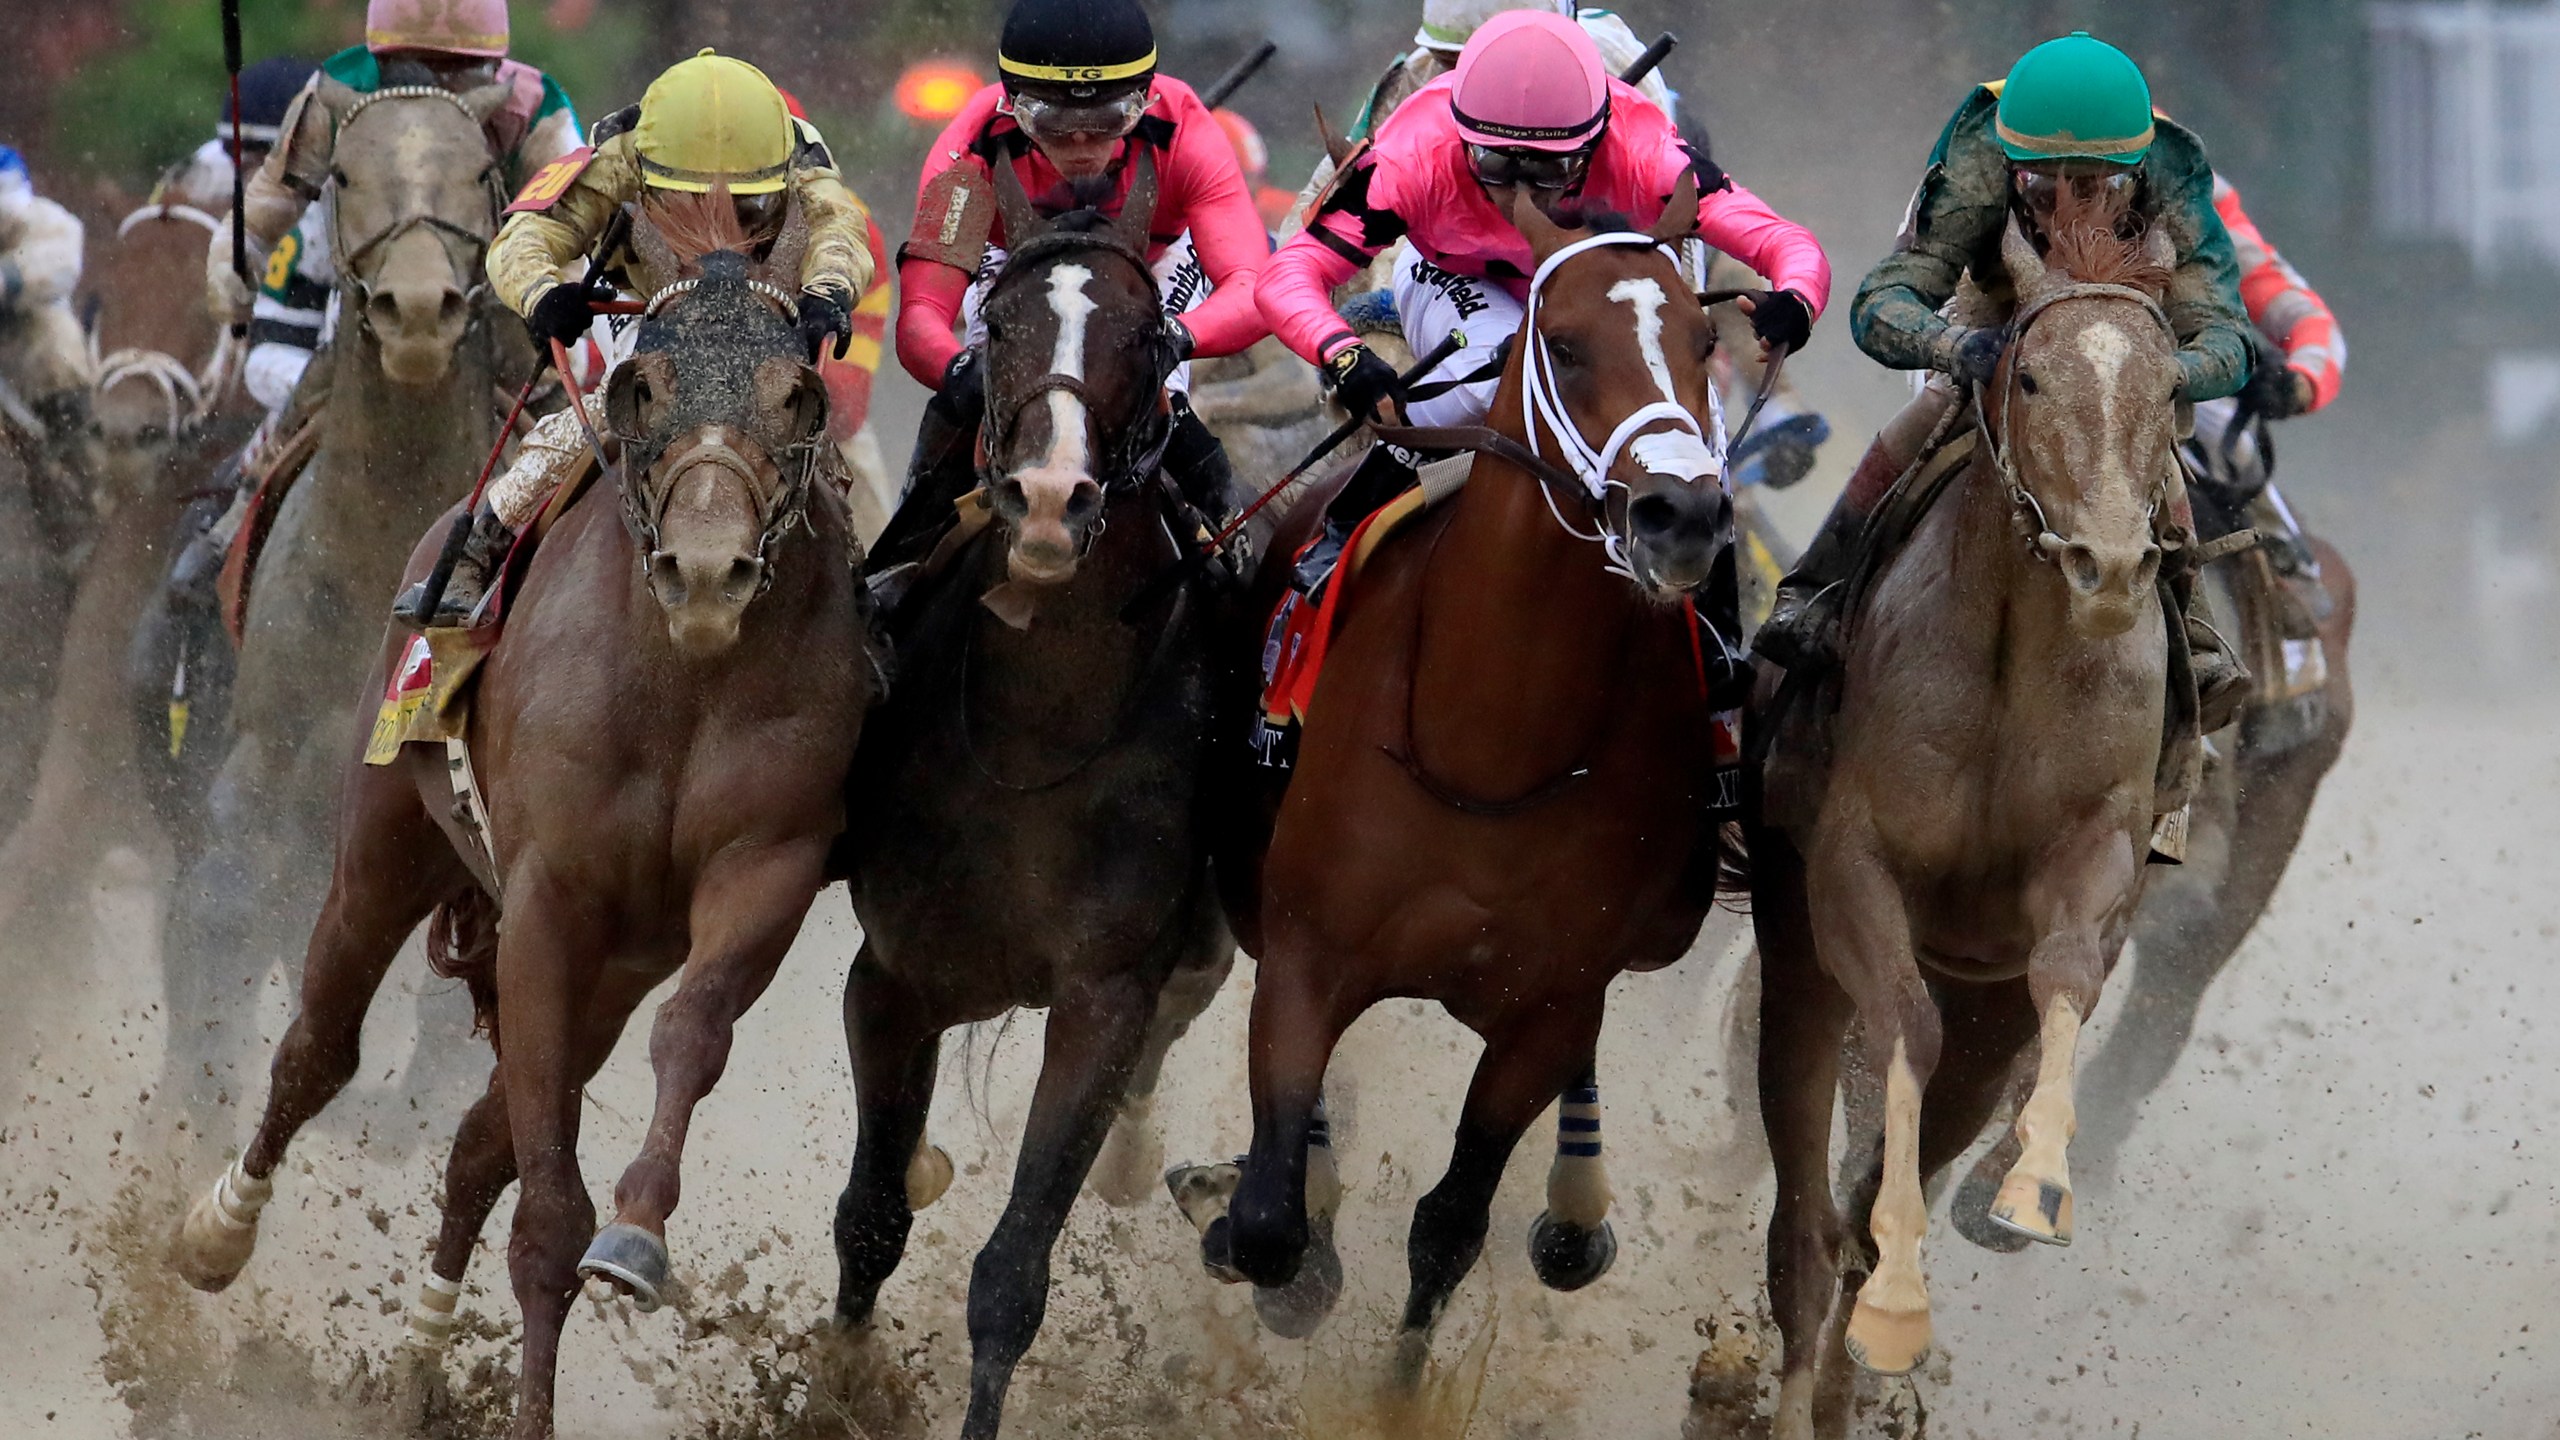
{"x":403,"y":451}
{"x":1069,"y":671}
{"x":1992,"y":587}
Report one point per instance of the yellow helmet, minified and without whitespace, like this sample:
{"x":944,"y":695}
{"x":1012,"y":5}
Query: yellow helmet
{"x":714,"y":120}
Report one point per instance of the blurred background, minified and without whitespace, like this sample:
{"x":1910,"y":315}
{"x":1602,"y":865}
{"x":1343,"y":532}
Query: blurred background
{"x":2405,"y":156}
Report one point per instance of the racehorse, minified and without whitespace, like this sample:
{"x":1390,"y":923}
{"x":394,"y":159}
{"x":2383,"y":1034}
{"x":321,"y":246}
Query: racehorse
{"x":414,"y":203}
{"x":1956,"y":853}
{"x":663,"y":735}
{"x":1502,"y":792}
{"x":1026,"y":830}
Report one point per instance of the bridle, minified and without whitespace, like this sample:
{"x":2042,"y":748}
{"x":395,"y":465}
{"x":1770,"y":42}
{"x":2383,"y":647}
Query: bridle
{"x":1541,"y":401}
{"x":350,"y":259}
{"x":2025,"y":511}
{"x":1129,"y":459}
{"x":717,"y":444}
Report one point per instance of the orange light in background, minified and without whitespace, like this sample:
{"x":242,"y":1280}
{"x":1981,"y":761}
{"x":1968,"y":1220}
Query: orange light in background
{"x":933,"y":91}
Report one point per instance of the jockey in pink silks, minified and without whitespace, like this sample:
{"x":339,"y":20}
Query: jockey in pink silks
{"x":1531,"y":104}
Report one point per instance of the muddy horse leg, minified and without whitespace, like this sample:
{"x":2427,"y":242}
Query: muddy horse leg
{"x":1523,"y":1069}
{"x":549,"y":957}
{"x":895,"y":1045}
{"x":1131,"y":1165}
{"x":392,"y":869}
{"x":1092,"y":1046}
{"x":746,"y":909}
{"x":2084,"y":901}
{"x":1863,"y":937}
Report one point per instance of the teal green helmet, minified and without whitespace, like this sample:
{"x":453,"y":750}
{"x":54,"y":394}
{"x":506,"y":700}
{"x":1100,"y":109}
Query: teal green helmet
{"x":2076,"y":98}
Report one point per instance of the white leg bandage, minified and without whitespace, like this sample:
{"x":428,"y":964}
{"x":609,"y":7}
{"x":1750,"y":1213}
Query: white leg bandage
{"x":431,"y":1318}
{"x":1578,"y":1183}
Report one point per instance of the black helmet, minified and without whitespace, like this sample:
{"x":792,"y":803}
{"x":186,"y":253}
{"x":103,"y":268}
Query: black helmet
{"x":267,"y":89}
{"x":1083,"y":48}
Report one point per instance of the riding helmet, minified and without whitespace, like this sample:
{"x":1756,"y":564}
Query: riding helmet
{"x":714,"y":120}
{"x":2076,"y":98}
{"x":1531,"y":80}
{"x":1087,"y":48}
{"x":446,"y":27}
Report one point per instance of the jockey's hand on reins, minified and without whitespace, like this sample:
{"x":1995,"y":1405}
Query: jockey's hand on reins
{"x":1780,"y":318}
{"x":1362,"y":383}
{"x":826,"y":320}
{"x":564,"y":313}
{"x":1977,"y":354}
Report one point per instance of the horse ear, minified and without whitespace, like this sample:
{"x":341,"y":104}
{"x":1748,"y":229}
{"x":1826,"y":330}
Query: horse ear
{"x":790,"y":246}
{"x":657,"y":257}
{"x":1335,"y":146}
{"x":1545,"y":236}
{"x":1021,"y":222}
{"x":1680,"y":215}
{"x":2027,"y":272}
{"x":337,"y":94}
{"x":1138,"y":216}
{"x":2159,"y":249}
{"x":484,"y":101}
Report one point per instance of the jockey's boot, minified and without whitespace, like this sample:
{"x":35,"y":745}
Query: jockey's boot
{"x":474,"y":570}
{"x":2222,"y":682}
{"x":1804,"y":616}
{"x":943,"y":468}
{"x":2306,"y":603}
{"x":1384,"y":473}
{"x":1197,"y":461}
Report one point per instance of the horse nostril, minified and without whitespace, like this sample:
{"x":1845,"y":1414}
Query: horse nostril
{"x":2080,"y":566}
{"x":2148,"y":571}
{"x":1084,"y":503}
{"x":666,"y":579}
{"x":740,"y":585}
{"x":381,"y":309}
{"x":1652,"y":516}
{"x":1010,"y":501}
{"x":449,"y":311}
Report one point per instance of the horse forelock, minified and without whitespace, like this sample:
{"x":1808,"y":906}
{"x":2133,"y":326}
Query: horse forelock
{"x":2097,"y":240}
{"x":696,"y":226}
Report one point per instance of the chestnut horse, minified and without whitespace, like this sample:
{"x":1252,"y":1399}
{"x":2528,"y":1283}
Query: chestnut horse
{"x":1029,"y":830}
{"x":1956,"y":854}
{"x":663,"y":737}
{"x":1501,"y":799}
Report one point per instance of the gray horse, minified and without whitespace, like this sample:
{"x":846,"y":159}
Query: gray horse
{"x":415,"y":362}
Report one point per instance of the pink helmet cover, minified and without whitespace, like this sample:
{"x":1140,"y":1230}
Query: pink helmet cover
{"x":453,"y":27}
{"x":1530,"y":79}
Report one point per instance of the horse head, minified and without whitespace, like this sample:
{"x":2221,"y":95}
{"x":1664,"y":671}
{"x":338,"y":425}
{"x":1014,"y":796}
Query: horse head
{"x":1076,"y":359}
{"x":1619,"y":360}
{"x":719,"y":416}
{"x":2080,"y":411}
{"x":416,"y":201}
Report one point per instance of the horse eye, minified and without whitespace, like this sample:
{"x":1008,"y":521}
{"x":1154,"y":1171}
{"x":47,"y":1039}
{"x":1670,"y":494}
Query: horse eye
{"x":2026,"y":382}
{"x":1566,"y":356}
{"x":338,"y":177}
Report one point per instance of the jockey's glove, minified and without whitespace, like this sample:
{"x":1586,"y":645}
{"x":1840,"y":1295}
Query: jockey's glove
{"x":228,"y":297}
{"x":963,"y":391}
{"x":1361,"y":382}
{"x":2277,"y":391}
{"x":826,"y":321}
{"x":1781,"y":319}
{"x":563,"y":313}
{"x":1179,"y":342}
{"x":1975,"y":353}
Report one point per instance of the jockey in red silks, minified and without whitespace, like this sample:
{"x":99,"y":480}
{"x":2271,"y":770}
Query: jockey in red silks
{"x":1079,"y":100}
{"x":1530,"y":104}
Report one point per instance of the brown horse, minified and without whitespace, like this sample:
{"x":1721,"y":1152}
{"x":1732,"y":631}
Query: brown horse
{"x":1028,"y":831}
{"x":663,"y":735}
{"x":1956,"y":854}
{"x":1501,"y":791}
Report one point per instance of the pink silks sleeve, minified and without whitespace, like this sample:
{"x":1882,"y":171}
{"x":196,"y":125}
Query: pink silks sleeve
{"x":1296,"y":293}
{"x":929,"y":294}
{"x":1216,"y":206}
{"x":1785,"y":253}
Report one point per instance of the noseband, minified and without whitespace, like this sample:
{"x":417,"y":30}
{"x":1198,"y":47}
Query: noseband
{"x":1132,"y":457}
{"x":2025,"y":511}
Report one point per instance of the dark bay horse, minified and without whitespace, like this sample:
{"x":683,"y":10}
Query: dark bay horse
{"x":663,"y":735}
{"x":414,"y":364}
{"x":1501,"y":799}
{"x":1956,"y":855}
{"x":1026,"y":830}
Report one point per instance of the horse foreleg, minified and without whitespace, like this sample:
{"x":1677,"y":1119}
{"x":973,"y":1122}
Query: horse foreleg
{"x":745,"y":913}
{"x":1571,"y":1244}
{"x":2091,"y":888}
{"x":1523,"y":1069}
{"x":1092,"y":1045}
{"x":1131,"y":1165}
{"x":1863,"y":936}
{"x":895,"y":1046}
{"x":392,"y":869}
{"x":1293,"y":1033}
{"x":549,"y":956}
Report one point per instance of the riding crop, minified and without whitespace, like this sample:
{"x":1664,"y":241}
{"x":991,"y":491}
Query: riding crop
{"x":239,"y":152}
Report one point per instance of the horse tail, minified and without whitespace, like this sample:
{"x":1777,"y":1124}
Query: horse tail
{"x":462,"y":944}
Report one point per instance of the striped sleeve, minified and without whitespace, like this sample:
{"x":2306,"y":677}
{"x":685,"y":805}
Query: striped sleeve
{"x":2282,"y":304}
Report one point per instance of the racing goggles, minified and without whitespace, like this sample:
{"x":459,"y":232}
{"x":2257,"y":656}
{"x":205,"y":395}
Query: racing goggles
{"x":1058,"y":116}
{"x":2040,"y":190}
{"x":1500,"y":168}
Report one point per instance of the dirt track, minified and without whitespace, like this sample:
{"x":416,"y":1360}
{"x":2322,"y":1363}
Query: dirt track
{"x":2335,"y":1222}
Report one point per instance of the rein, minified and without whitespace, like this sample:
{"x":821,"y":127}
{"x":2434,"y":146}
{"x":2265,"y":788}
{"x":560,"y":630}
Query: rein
{"x":2024,"y":509}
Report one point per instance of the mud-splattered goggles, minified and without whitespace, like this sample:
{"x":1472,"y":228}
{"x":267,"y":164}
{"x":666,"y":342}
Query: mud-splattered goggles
{"x":1498,"y":169}
{"x":2039,"y":190}
{"x":1058,"y":117}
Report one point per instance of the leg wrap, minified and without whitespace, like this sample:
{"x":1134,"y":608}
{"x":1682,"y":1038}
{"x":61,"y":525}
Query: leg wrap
{"x":1324,"y":1177}
{"x":1578,"y":1183}
{"x":431,"y":1318}
{"x":239,"y":1196}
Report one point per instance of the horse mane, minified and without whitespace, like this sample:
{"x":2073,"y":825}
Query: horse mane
{"x":2097,"y":240}
{"x":698,"y":225}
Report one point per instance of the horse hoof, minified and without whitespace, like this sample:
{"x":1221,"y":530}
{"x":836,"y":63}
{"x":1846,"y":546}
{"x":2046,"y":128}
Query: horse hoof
{"x":1413,"y":1359}
{"x":1887,"y":1342}
{"x":220,"y":1231}
{"x":1218,"y":1252}
{"x":2037,"y":1209}
{"x":1568,"y":1257}
{"x":928,"y":1176}
{"x":1293,"y":1311}
{"x":1971,"y":1214}
{"x":630,"y":1260}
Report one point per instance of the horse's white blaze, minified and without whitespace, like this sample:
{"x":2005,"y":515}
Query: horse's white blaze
{"x":2106,"y":347}
{"x":1647,"y":299}
{"x":1073,"y":307}
{"x":1681,"y":454}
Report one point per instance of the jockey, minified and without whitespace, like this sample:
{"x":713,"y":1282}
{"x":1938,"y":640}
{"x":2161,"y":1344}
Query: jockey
{"x":2073,"y":111}
{"x":1079,"y":96}
{"x":203,"y":179}
{"x":2296,"y":325}
{"x":461,"y":45}
{"x":44,"y":354}
{"x":710,"y":124}
{"x":1530,"y":104}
